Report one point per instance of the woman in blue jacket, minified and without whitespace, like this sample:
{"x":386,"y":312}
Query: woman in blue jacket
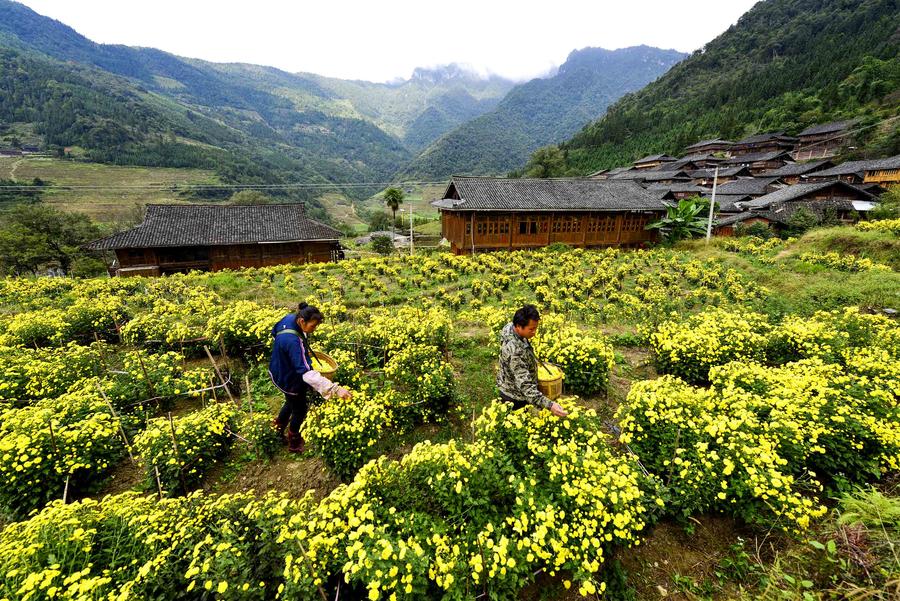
{"x":291,"y":370}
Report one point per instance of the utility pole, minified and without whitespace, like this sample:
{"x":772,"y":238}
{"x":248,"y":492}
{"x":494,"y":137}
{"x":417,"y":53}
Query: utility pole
{"x":712,"y":205}
{"x":410,"y":231}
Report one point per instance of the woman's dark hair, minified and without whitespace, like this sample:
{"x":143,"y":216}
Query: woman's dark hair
{"x":308,"y":313}
{"x":526,"y":315}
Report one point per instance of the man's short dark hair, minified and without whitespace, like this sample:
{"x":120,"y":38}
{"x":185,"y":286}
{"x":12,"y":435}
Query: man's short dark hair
{"x":526,"y":315}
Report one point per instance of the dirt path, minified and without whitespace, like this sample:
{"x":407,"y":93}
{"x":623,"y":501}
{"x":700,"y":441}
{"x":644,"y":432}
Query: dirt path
{"x":12,"y":172}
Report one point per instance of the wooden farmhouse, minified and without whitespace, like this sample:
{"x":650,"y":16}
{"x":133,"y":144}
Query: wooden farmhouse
{"x":179,"y":238}
{"x":885,"y":172}
{"x":709,"y":147}
{"x":795,"y":173}
{"x":705,"y":177}
{"x":654,"y":161}
{"x":851,"y":172}
{"x":822,"y":141}
{"x":760,"y":162}
{"x":775,"y":209}
{"x":486,"y":213}
{"x":763,"y":143}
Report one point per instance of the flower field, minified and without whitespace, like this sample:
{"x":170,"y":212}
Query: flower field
{"x":699,"y":383}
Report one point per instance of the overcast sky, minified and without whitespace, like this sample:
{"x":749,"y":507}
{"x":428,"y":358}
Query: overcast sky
{"x":379,"y":41}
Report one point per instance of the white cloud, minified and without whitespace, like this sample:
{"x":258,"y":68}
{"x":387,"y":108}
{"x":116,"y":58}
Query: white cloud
{"x":379,"y":41}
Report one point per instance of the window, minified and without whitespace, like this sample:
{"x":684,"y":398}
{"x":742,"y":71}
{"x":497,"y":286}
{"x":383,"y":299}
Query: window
{"x":528,"y":227}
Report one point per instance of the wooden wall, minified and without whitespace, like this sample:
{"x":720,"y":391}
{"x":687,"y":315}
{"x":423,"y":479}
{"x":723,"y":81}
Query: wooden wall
{"x":512,"y":231}
{"x":214,"y":258}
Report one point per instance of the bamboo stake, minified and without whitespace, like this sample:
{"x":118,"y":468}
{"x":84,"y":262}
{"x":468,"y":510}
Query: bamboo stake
{"x":249,"y":393}
{"x":319,"y":586}
{"x":146,"y":376}
{"x":177,"y":454}
{"x":53,"y":437}
{"x":118,"y":421}
{"x":158,"y":482}
{"x":66,"y":489}
{"x":219,"y":373}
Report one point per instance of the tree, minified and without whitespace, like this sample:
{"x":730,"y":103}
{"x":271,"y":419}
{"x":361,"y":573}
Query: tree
{"x":683,"y":220}
{"x":33,"y":237}
{"x":379,"y":221}
{"x":549,"y":161}
{"x":382,"y":245}
{"x":393,"y":198}
{"x":250,"y":197}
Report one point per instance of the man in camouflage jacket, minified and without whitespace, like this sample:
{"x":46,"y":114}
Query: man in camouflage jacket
{"x":517,"y":378}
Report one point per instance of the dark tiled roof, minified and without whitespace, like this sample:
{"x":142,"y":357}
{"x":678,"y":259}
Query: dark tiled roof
{"x":702,"y":143}
{"x":798,"y":191}
{"x":766,"y":137}
{"x":847,"y":168}
{"x":219,"y":225}
{"x":729,"y":202}
{"x":759,"y":156}
{"x":654,"y":157}
{"x":827,"y":128}
{"x":754,"y":186}
{"x":888,"y":163}
{"x":511,"y":194}
{"x":723,"y":172}
{"x":650,"y":175}
{"x":798,"y":168}
{"x":679,"y":187}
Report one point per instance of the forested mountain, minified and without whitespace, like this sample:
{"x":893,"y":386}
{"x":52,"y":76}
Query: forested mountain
{"x":785,"y":65}
{"x":143,"y":106}
{"x":543,"y":111}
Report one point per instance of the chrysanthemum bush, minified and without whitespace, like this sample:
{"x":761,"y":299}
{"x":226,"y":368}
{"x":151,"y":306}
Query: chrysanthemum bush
{"x":690,"y":347}
{"x":762,"y":442}
{"x":181,"y":449}
{"x":458,"y":519}
{"x":343,"y":432}
{"x":842,"y":262}
{"x":454,"y":521}
{"x":884,"y":225}
{"x":585,"y":358}
{"x":71,"y":437}
{"x":133,"y":547}
{"x":243,"y":325}
{"x":30,"y":373}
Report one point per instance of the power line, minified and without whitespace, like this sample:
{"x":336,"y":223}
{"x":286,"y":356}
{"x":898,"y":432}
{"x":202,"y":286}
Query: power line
{"x":175,"y":187}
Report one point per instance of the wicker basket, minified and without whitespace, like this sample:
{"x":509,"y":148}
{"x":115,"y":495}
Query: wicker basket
{"x":329,"y":365}
{"x":551,"y":387}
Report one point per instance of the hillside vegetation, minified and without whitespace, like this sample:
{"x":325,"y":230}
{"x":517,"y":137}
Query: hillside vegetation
{"x":785,"y":65}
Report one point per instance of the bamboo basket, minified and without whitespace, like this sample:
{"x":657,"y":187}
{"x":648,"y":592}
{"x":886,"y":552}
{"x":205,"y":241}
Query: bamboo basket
{"x":551,"y":385}
{"x":328,"y":365}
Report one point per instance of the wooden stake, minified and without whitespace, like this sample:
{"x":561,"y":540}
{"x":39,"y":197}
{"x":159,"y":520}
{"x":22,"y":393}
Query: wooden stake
{"x":53,"y":438}
{"x":319,"y":586}
{"x":158,"y":482}
{"x":66,"y":489}
{"x":121,"y":429}
{"x":219,"y":373}
{"x":177,"y":454}
{"x":249,"y":393}
{"x":146,"y":376}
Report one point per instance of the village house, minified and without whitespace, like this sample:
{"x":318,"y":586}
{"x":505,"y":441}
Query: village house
{"x":677,"y":191}
{"x":843,"y":201}
{"x":710,"y":147}
{"x":851,"y":172}
{"x":705,"y":177}
{"x":760,"y":162}
{"x":795,"y":173}
{"x":751,"y":186}
{"x":653,"y":161}
{"x":488,"y":213}
{"x":822,"y":141}
{"x":883,"y":172}
{"x":180,"y":238}
{"x":764,"y":143}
